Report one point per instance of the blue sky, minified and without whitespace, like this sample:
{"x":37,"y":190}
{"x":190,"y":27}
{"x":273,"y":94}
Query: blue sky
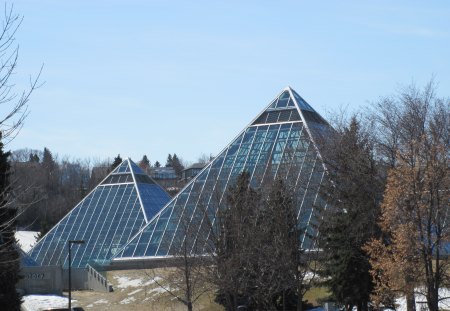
{"x":157,"y":77}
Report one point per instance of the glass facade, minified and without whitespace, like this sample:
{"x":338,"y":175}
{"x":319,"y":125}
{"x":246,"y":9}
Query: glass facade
{"x":105,"y":219}
{"x":277,"y":143}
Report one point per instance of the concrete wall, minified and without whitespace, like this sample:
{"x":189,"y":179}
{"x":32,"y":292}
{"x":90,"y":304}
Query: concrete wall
{"x":52,"y":279}
{"x":79,"y":278}
{"x":41,"y":280}
{"x":98,"y":282}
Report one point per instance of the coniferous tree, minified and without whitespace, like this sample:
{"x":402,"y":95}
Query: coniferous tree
{"x":353,"y":193}
{"x":177,"y":166}
{"x":34,"y":158}
{"x":169,"y":161}
{"x":157,"y":164}
{"x":50,"y":167}
{"x":116,"y":162}
{"x":9,"y":256}
{"x":47,"y":160}
{"x":144,"y":163}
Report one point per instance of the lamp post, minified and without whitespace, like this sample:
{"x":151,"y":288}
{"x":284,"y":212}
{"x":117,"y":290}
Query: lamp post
{"x":70,"y":265}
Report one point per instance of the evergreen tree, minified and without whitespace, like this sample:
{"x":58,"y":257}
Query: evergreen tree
{"x":9,"y":256}
{"x":47,"y":161}
{"x":157,"y":164}
{"x":34,"y":158}
{"x":144,"y":163}
{"x":169,"y":161}
{"x":177,"y":166}
{"x":353,"y":195}
{"x":51,"y":171}
{"x":116,"y":162}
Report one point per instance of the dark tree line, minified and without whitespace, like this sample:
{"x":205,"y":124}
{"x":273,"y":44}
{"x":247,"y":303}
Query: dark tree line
{"x":46,"y":189}
{"x":9,"y":256}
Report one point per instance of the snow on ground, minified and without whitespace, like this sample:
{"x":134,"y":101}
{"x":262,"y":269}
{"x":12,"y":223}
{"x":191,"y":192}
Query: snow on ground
{"x":26,"y":239}
{"x":125,"y":282}
{"x":40,"y":302}
{"x":158,"y":290}
{"x":135,"y":292}
{"x":127,"y":300}
{"x":421,"y":301}
{"x":98,"y":302}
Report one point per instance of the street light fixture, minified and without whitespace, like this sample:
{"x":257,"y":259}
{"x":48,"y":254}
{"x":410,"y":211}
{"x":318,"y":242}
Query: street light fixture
{"x":70,"y":265}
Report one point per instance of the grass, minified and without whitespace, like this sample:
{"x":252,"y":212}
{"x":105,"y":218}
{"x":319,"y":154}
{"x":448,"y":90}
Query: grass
{"x":316,"y":294}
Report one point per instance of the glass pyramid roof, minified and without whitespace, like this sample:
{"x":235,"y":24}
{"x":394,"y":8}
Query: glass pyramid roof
{"x":278,"y":142}
{"x":105,"y":219}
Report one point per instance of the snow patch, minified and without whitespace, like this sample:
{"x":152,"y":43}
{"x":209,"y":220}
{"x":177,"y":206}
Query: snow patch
{"x":40,"y":302}
{"x":135,"y":292}
{"x":127,"y":300}
{"x":101,"y":301}
{"x":125,"y":282}
{"x":26,"y":239}
{"x":157,"y":290}
{"x":421,"y":300}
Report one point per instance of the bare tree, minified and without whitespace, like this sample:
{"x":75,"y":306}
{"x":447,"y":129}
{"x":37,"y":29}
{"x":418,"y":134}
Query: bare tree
{"x":414,"y":139}
{"x":257,"y":256}
{"x":15,"y":105}
{"x":186,"y":272}
{"x":15,"y":102}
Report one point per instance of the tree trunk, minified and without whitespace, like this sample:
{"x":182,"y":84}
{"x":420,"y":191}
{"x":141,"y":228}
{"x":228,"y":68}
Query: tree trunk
{"x":189,"y":306}
{"x":410,"y":301}
{"x":299,"y":296}
{"x":364,"y":306}
{"x":433,"y":299}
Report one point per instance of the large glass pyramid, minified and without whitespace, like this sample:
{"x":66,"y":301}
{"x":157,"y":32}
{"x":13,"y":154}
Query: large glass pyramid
{"x":105,"y":219}
{"x":280,"y":141}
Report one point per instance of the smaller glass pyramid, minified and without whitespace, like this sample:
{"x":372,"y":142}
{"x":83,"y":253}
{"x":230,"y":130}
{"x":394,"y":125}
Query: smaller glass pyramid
{"x":105,"y":219}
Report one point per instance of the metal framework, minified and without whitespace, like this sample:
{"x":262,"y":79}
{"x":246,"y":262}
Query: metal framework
{"x":279,"y":142}
{"x":106,"y":218}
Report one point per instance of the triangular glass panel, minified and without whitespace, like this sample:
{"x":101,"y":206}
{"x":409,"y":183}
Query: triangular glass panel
{"x":122,"y":168}
{"x":303,"y":105}
{"x":136,"y":169}
{"x":283,"y":99}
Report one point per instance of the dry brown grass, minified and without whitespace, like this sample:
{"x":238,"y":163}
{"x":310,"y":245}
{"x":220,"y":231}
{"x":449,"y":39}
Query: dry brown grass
{"x":140,"y":294}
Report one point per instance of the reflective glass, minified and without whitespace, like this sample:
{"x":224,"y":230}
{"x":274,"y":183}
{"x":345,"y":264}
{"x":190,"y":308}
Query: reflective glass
{"x":106,"y":219}
{"x":282,"y":149}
